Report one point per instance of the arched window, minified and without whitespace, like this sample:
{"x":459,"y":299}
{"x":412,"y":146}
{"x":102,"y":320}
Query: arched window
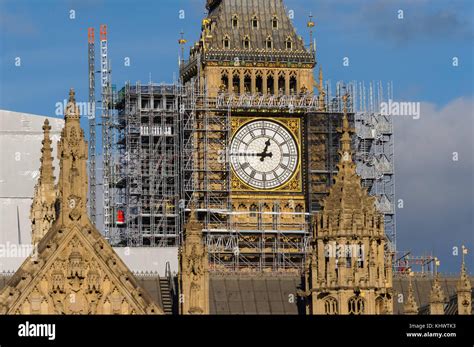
{"x":289,"y":43}
{"x":380,"y":306}
{"x":255,"y":22}
{"x":348,"y":252}
{"x":269,"y":43}
{"x":247,"y":83}
{"x":259,"y":83}
{"x":281,"y":84}
{"x":270,"y":84}
{"x":360,"y":255}
{"x":226,"y":42}
{"x":275,"y":22}
{"x":356,"y":305}
{"x":246,"y":42}
{"x":293,"y":84}
{"x":235,"y":21}
{"x":236,"y":84}
{"x":225,"y":81}
{"x":253,"y":211}
{"x":330,"y":305}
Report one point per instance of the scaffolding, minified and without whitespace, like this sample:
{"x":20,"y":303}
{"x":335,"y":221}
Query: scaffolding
{"x":374,"y":144}
{"x":145,"y":173}
{"x":205,"y":181}
{"x":423,"y":265}
{"x":171,"y":151}
{"x":107,"y":129}
{"x":268,"y":244}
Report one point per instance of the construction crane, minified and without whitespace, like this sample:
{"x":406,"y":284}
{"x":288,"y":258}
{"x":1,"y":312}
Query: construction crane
{"x":106,"y":126}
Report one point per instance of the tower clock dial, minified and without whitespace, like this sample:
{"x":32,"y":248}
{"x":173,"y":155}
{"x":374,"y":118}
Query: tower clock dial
{"x":264,"y":154}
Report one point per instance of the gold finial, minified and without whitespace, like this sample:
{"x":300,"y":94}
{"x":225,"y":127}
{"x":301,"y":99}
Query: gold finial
{"x":310,"y":25}
{"x":310,"y":22}
{"x":182,"y":42}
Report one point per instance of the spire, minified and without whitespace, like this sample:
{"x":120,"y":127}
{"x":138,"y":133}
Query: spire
{"x":46,"y":168}
{"x":346,"y":196}
{"x":464,"y":276}
{"x":322,"y":93}
{"x":72,"y":111}
{"x":42,"y":213}
{"x":411,"y":306}
{"x":72,"y":155}
{"x":463,"y":288}
{"x":193,"y":268}
{"x":346,"y":133}
{"x":437,"y":295}
{"x":193,"y":226}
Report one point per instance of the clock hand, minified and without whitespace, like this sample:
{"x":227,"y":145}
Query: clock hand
{"x":265,"y":153}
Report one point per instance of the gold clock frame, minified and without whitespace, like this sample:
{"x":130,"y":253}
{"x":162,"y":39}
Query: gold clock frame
{"x":295,"y":183}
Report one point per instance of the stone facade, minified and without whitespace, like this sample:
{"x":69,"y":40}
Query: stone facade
{"x":73,"y":270}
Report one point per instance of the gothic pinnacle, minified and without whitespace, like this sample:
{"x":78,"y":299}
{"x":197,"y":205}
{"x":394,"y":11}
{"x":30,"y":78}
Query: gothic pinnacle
{"x":46,"y":168}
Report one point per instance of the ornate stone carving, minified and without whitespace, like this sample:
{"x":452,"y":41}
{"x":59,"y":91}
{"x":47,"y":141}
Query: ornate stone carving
{"x":463,"y":288}
{"x":42,"y":212}
{"x":194,"y":275}
{"x":74,"y":270}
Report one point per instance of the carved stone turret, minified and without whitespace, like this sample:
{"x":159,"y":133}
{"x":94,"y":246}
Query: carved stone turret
{"x":410,"y":306}
{"x":42,"y":213}
{"x":350,"y":272}
{"x":437,"y":298}
{"x":194,"y":273}
{"x":72,"y":153}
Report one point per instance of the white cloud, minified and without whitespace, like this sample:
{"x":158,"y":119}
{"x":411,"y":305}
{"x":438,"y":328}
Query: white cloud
{"x":437,"y":191}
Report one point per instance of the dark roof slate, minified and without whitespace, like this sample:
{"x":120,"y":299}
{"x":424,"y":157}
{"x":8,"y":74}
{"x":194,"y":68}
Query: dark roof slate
{"x":245,"y":10}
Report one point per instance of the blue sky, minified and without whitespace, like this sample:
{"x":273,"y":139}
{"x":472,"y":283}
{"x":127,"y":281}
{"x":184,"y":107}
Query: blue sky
{"x":415,"y":52}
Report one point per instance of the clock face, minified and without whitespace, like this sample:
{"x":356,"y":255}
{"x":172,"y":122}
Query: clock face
{"x":264,"y":154}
